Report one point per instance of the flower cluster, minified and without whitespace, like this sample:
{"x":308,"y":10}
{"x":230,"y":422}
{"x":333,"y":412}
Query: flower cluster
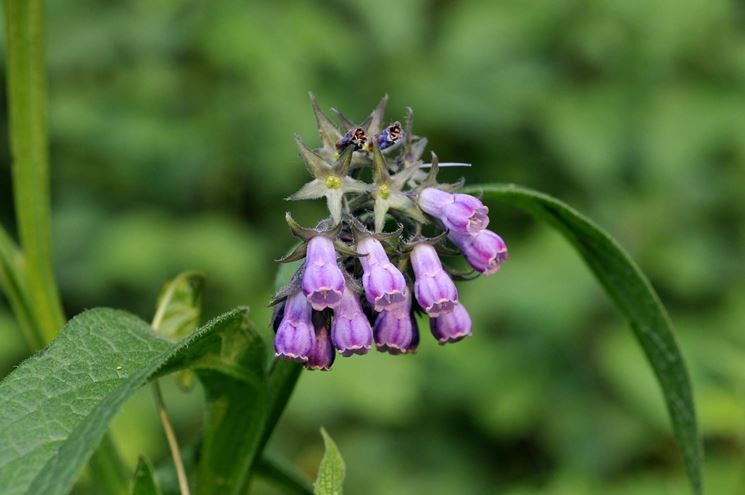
{"x":360,"y":283}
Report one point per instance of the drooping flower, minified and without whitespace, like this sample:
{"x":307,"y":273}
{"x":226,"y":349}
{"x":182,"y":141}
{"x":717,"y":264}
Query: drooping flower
{"x":434,"y":290}
{"x":384,"y":284}
{"x":396,"y":331}
{"x":322,"y":353}
{"x":323,"y":281}
{"x":484,"y":251}
{"x":451,"y":327}
{"x":295,"y":335}
{"x":350,"y":331}
{"x":461,"y":213}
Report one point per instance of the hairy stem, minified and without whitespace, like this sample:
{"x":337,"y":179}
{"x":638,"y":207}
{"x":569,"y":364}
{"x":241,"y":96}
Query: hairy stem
{"x":27,"y":107}
{"x":27,"y":101}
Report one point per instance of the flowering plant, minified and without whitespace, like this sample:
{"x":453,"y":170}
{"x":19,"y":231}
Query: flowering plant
{"x":368,"y":269}
{"x":361,"y":282}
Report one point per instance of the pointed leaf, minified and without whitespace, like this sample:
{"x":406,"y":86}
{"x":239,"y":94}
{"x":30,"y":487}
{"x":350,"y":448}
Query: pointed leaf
{"x":331,"y":471}
{"x":57,"y":405}
{"x":180,"y":306}
{"x":143,"y":482}
{"x":635,"y":298}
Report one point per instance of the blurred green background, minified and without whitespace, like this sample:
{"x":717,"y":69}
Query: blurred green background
{"x":171,"y":144}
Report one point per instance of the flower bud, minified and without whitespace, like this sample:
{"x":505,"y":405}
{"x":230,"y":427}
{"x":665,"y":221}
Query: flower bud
{"x":435,"y":291}
{"x":396,"y":331}
{"x":384,"y":284}
{"x":294,"y":338}
{"x":461,"y":213}
{"x":323,"y":282}
{"x":484,"y":251}
{"x":350,"y":332}
{"x":322,"y":353}
{"x":451,"y":327}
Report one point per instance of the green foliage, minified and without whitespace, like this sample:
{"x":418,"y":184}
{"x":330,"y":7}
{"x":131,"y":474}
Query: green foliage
{"x":143,"y":482}
{"x":58,"y":404}
{"x":634,"y":296}
{"x":331,"y":472}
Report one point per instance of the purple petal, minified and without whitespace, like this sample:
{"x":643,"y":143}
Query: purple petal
{"x":322,"y":353}
{"x":485,"y":251}
{"x":295,"y":334}
{"x":323,"y":281}
{"x":396,"y":331}
{"x":432,"y":200}
{"x":434,"y":290}
{"x":451,"y":327}
{"x":351,"y":332}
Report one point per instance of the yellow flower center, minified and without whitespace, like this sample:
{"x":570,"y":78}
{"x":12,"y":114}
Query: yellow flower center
{"x":385,"y":191}
{"x":333,"y":182}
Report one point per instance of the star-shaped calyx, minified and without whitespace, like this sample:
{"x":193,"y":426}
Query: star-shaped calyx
{"x":331,"y":179}
{"x":388,"y":191}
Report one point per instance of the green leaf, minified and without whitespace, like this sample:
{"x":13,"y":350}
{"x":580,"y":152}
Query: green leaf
{"x":57,"y":405}
{"x":291,"y":482}
{"x":634,"y":296}
{"x":180,"y":306}
{"x":331,"y":471}
{"x":235,"y":385}
{"x":143,"y":482}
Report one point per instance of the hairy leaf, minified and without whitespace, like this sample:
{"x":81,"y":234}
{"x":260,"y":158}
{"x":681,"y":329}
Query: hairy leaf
{"x":634,"y":296}
{"x":57,"y":405}
{"x":331,"y":471}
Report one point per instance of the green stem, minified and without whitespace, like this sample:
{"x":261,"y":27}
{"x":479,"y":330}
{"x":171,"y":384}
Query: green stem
{"x":12,"y":283}
{"x":27,"y":101}
{"x":178,"y":463}
{"x":27,"y":106}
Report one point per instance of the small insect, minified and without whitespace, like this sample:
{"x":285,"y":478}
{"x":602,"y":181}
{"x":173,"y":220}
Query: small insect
{"x":389,"y":136}
{"x":355,"y":136}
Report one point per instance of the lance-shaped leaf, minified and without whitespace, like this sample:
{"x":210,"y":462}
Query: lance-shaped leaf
{"x":635,"y":298}
{"x":330,"y":179}
{"x":388,"y":191}
{"x":331,"y":472}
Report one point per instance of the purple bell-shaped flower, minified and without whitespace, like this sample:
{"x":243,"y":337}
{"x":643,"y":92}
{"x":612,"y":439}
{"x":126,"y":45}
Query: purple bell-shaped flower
{"x":385,"y":286}
{"x":295,"y":335}
{"x":484,"y":251}
{"x":460,"y":213}
{"x":451,"y":327}
{"x":323,"y":282}
{"x":396,"y":331}
{"x":434,"y":290}
{"x":351,"y":332}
